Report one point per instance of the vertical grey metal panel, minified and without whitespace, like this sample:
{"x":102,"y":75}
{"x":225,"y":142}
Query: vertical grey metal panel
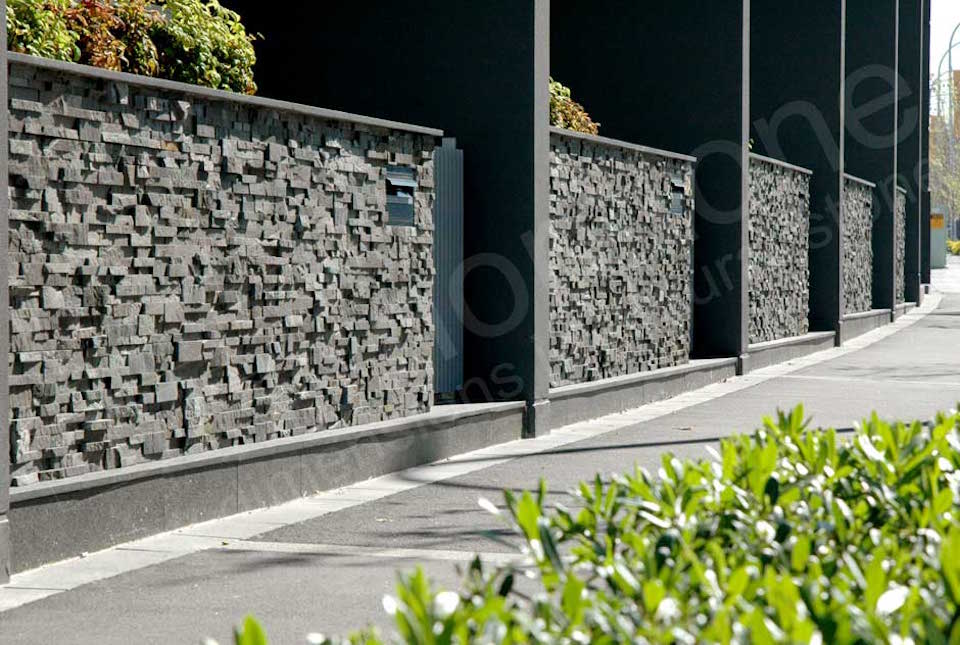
{"x":448,"y":257}
{"x":4,"y":309}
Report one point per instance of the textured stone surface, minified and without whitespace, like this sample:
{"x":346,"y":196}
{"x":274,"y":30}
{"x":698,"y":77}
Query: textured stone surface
{"x":900,"y":248}
{"x":188,"y":275}
{"x":620,"y":240}
{"x":779,"y":266}
{"x":857,"y":247}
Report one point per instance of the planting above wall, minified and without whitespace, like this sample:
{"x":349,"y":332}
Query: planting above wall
{"x":193,"y":41}
{"x":568,"y":114}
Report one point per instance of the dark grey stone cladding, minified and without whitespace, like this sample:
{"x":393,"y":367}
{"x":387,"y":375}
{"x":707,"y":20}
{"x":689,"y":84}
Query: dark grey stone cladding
{"x":900,"y":248}
{"x":857,"y":247}
{"x":620,"y":265}
{"x":192,"y":273}
{"x":779,"y":265}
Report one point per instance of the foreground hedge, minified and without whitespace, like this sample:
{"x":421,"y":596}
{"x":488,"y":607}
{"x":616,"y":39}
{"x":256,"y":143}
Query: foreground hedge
{"x":788,"y":535}
{"x":193,"y":41}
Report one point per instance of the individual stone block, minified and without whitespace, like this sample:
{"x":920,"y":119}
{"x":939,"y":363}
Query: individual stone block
{"x":167,"y":392}
{"x":189,"y":351}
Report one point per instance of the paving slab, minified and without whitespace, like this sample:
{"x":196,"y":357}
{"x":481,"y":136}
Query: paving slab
{"x":205,"y":594}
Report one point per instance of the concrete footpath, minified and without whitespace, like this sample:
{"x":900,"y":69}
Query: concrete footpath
{"x":322,"y":564}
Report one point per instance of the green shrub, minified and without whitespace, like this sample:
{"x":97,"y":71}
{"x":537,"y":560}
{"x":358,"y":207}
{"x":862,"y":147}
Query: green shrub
{"x":953,"y":246}
{"x":42,"y":28}
{"x":788,"y":535}
{"x":567,"y":113}
{"x":204,"y":43}
{"x":137,"y":21}
{"x":193,"y":41}
{"x":116,"y":35}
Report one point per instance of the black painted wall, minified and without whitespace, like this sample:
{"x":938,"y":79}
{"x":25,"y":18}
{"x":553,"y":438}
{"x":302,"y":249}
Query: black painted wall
{"x":672,"y":75}
{"x":871,"y":118}
{"x":925,"y":150}
{"x":910,"y":137}
{"x":796,"y":81}
{"x":478,"y":70}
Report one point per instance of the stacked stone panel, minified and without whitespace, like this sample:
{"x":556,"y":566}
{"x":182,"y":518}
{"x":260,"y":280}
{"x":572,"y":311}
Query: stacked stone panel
{"x":189,"y":274}
{"x":779,"y":264}
{"x":900,"y":248}
{"x":621,"y":233}
{"x":857,"y":246}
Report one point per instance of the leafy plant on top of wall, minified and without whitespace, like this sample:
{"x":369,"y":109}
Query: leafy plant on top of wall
{"x":42,"y":29}
{"x":192,"y":41}
{"x":567,"y":113}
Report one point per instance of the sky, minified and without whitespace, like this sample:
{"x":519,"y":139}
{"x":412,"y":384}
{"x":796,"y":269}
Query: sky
{"x":945,"y":15}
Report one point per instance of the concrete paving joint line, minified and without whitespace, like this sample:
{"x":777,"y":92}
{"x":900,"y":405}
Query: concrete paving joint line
{"x":237,"y":532}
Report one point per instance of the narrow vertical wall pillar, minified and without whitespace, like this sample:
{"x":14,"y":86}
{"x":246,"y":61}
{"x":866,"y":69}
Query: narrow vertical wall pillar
{"x":538,"y":376}
{"x":871,"y":125}
{"x":910,"y":135}
{"x":4,"y":307}
{"x":925,"y":148}
{"x":797,"y":79}
{"x":675,"y":76}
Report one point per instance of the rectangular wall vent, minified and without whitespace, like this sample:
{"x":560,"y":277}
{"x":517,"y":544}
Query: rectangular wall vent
{"x":401,"y":185}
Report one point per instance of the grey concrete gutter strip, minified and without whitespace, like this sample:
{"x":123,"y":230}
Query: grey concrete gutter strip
{"x":615,"y":143}
{"x":575,"y":403}
{"x":853,"y":325}
{"x":254,"y":452}
{"x":857,"y":180}
{"x":782,"y":164}
{"x":812,"y":337}
{"x":581,"y":389}
{"x":217,"y":95}
{"x":761,"y":355}
{"x":874,"y":313}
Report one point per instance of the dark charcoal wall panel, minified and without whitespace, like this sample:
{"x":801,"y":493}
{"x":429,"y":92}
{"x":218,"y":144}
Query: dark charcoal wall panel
{"x":673,"y":75}
{"x":925,"y":146}
{"x":796,"y":81}
{"x":910,"y":137}
{"x":871,"y":118}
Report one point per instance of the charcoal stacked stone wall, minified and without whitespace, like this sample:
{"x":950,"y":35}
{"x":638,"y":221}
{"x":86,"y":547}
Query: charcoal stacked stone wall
{"x":779,"y":264}
{"x":193,"y":273}
{"x":900,"y":248}
{"x":621,"y":231}
{"x":857,"y":246}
